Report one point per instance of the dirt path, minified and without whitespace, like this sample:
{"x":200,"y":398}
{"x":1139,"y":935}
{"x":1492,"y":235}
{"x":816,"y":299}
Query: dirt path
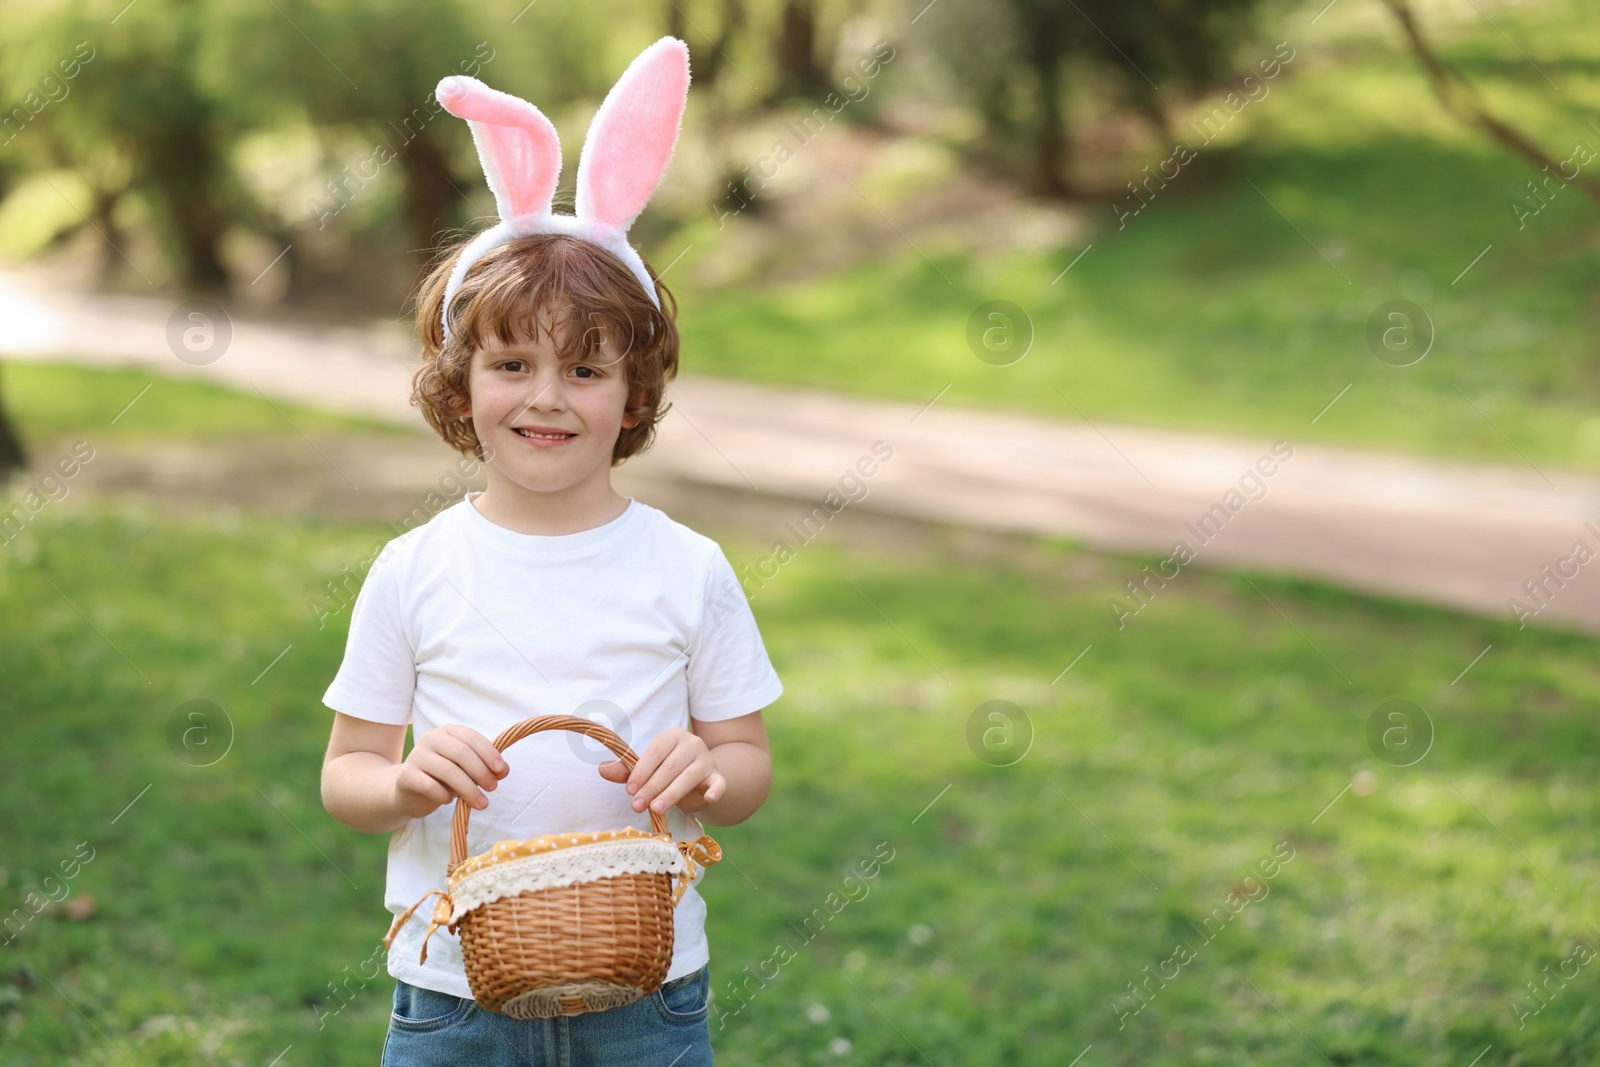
{"x":1468,"y":537}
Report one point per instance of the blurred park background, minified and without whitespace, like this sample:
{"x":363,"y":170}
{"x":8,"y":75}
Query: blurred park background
{"x":1266,"y":818}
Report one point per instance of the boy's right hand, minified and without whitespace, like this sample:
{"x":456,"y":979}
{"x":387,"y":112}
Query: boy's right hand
{"x":449,"y":762}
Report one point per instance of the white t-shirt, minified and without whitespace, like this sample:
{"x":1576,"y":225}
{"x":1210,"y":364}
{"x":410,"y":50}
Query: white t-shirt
{"x":638,"y":624}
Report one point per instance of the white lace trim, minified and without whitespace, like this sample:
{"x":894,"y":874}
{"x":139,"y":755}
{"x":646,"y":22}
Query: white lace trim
{"x":564,"y":866}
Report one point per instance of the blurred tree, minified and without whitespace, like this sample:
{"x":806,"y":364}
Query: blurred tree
{"x":363,"y":74}
{"x":12,"y":456}
{"x":167,"y":88}
{"x":1458,"y":97}
{"x":707,"y":55}
{"x":799,"y":54}
{"x":1019,"y":62}
{"x":132,"y":118}
{"x":168,"y":92}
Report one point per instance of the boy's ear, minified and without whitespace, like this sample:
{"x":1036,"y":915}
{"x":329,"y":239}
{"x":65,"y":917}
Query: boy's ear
{"x":630,"y":414}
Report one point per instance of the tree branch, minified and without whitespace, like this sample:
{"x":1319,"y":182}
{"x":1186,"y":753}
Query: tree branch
{"x":1458,"y":97}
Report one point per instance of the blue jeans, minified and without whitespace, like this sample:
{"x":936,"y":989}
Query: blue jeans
{"x":668,"y":1028}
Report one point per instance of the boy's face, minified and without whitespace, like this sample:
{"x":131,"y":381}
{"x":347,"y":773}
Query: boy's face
{"x":548,"y":424}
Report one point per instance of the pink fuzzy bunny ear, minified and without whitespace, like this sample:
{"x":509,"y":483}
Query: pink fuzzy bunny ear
{"x":631,"y":139}
{"x":517,"y":145}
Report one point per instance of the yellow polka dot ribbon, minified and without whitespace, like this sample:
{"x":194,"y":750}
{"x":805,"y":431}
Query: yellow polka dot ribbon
{"x":701,"y":849}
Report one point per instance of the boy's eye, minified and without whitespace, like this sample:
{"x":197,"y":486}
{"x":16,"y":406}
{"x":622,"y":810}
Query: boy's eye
{"x":583,"y":370}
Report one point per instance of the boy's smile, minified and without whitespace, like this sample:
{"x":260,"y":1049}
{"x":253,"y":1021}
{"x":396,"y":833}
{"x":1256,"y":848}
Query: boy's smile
{"x":543,"y":436}
{"x":549,"y":424}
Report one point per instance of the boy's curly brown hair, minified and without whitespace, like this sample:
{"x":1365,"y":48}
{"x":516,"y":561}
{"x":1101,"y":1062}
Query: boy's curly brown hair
{"x":508,"y":292}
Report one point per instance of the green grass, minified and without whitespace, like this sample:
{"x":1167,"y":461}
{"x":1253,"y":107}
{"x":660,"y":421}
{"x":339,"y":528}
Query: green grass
{"x":1165,"y":766}
{"x":1173,"y":758}
{"x":1212,"y":309}
{"x":51,"y":401}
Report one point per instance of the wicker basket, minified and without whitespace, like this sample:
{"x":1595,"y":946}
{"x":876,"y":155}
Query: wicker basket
{"x":566,"y":923}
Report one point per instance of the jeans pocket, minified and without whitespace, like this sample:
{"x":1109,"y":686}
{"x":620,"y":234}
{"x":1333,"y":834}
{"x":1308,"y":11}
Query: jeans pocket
{"x":418,"y":1010}
{"x":683,"y":1000}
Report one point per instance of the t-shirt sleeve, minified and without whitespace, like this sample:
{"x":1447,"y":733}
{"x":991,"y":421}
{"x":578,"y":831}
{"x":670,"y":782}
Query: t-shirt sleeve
{"x":729,"y":673}
{"x":378,"y":677}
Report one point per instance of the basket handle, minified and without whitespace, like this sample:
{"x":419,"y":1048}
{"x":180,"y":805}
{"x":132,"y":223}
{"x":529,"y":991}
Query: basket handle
{"x":513,"y":734}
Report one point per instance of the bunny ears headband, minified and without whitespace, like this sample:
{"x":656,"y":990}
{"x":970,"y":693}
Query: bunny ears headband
{"x":625,"y":152}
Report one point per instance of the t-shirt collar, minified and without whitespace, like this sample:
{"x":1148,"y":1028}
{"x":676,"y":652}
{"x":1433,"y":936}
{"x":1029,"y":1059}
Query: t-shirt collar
{"x":544,"y":546}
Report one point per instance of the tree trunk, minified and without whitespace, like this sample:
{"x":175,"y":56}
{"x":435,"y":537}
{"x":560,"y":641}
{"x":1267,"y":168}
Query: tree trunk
{"x":796,"y":54}
{"x":12,"y":455}
{"x":181,"y":166}
{"x":101,"y":213}
{"x":430,"y":193}
{"x":1049,"y":172}
{"x":706,"y":58}
{"x":1156,"y":115}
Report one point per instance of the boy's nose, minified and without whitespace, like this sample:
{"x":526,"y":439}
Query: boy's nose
{"x":545,"y":394}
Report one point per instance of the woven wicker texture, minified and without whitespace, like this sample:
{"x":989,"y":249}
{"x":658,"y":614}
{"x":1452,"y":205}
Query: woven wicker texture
{"x":615,"y":931}
{"x":572,"y":948}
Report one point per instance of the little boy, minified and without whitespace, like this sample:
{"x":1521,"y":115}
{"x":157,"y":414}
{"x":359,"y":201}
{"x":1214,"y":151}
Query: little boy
{"x":546,"y":593}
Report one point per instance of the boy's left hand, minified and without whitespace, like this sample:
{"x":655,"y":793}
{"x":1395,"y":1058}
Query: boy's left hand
{"x":675,"y":768}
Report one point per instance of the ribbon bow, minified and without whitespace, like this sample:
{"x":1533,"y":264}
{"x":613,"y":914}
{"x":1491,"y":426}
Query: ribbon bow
{"x":703,"y":849}
{"x":441,"y":917}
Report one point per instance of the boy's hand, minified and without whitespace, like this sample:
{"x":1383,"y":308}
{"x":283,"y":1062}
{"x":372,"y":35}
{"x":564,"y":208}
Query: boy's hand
{"x":452,"y":761}
{"x":675,"y":768}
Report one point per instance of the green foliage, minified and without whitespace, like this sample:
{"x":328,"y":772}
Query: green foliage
{"x":136,"y":113}
{"x":175,"y":87}
{"x":1035,"y":68}
{"x":347,"y":63}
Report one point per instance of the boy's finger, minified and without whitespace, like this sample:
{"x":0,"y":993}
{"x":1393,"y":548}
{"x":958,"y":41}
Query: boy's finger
{"x":716,"y":785}
{"x":470,"y":760}
{"x":484,"y":748}
{"x":649,"y":760}
{"x":460,"y":784}
{"x":681,"y":787}
{"x":676,"y":769}
{"x":675,"y":792}
{"x":671,"y":765}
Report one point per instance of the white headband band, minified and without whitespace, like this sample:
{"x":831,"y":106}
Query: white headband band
{"x":626,"y":151}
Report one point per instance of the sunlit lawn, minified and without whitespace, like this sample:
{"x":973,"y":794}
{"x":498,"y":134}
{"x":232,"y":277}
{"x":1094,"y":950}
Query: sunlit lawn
{"x":1242,"y":304}
{"x":1402,"y":924}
